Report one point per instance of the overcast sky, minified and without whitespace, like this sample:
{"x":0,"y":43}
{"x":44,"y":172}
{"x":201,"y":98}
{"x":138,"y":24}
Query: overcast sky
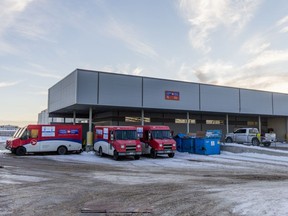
{"x":240,"y":43}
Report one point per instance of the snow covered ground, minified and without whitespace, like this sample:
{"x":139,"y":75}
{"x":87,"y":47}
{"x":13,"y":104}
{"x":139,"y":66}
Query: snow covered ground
{"x":265,"y":193}
{"x":3,"y":139}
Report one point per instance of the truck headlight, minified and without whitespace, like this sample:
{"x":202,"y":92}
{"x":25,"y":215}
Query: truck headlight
{"x":174,"y":144}
{"x":138,"y":146}
{"x":122,"y":146}
{"x":160,"y":145}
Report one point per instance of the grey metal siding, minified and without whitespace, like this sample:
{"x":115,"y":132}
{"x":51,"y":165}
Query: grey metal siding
{"x":120,"y":90}
{"x":255,"y":102}
{"x":63,"y":93}
{"x":87,"y":87}
{"x":219,"y":99}
{"x":280,"y":104}
{"x":154,"y":94}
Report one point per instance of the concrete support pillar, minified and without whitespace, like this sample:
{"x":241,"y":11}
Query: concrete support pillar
{"x":227,"y":123}
{"x":74,"y":117}
{"x":90,"y":132}
{"x":142,"y":117}
{"x":259,"y":124}
{"x":188,"y":121}
{"x":90,"y":119}
{"x":286,"y":134}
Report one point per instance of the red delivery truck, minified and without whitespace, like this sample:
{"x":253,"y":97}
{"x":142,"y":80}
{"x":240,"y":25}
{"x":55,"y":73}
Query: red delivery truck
{"x":60,"y":138}
{"x":156,"y":140}
{"x":117,"y":141}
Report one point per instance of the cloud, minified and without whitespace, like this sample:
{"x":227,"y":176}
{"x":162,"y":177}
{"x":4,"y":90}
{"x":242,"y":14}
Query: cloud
{"x":255,"y":45}
{"x":214,"y":72}
{"x":128,"y":35}
{"x":206,"y":16}
{"x":267,"y":57}
{"x":123,"y":69}
{"x":5,"y":47}
{"x":41,"y":71}
{"x":10,"y":10}
{"x":34,"y":69}
{"x":41,"y":93}
{"x":284,"y":30}
{"x":8,"y":84}
{"x":45,"y":74}
{"x":258,"y":73}
{"x":281,"y":23}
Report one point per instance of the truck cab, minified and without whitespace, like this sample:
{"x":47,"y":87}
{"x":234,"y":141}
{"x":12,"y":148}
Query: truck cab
{"x":156,"y":140}
{"x":117,"y":141}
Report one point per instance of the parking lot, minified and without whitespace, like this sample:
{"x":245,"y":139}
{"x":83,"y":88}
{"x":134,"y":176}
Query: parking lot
{"x":188,"y":184}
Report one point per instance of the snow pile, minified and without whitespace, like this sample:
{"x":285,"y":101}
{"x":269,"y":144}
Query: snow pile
{"x":3,"y":139}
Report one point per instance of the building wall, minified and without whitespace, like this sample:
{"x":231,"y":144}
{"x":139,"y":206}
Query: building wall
{"x":280,"y":127}
{"x":256,"y":102}
{"x":63,"y":93}
{"x":154,"y":94}
{"x":83,"y":88}
{"x":120,"y":90}
{"x":280,"y":104}
{"x":220,"y":99}
{"x":87,"y":87}
{"x":107,"y":89}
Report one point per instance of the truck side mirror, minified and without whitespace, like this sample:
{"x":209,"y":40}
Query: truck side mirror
{"x":111,"y":136}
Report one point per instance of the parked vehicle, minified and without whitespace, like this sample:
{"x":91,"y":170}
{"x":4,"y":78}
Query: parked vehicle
{"x":156,"y":140}
{"x":250,"y":135}
{"x":60,"y":138}
{"x":117,"y":141}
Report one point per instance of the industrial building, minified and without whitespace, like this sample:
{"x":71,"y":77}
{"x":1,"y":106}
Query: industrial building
{"x":116,"y":99}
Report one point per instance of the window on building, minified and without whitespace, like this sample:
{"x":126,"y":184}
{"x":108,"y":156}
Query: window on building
{"x":136,"y":119}
{"x":215,"y":122}
{"x":252,"y":123}
{"x":184,"y":121}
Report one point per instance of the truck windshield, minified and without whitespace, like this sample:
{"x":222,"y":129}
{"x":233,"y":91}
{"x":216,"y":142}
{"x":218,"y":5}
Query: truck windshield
{"x":19,"y":132}
{"x":161,"y":134}
{"x":125,"y":135}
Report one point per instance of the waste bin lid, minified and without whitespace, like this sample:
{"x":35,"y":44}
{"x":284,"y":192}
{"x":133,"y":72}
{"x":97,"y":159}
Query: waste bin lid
{"x":180,"y":135}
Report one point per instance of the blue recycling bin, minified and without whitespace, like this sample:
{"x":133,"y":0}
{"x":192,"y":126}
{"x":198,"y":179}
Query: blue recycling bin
{"x":188,"y":144}
{"x":178,"y":138}
{"x":184,"y":143}
{"x":207,"y":146}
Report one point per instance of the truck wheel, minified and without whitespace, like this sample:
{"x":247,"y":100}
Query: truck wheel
{"x":115,"y":155}
{"x":62,"y":150}
{"x":228,"y":140}
{"x":20,"y":151}
{"x":137,"y":157}
{"x":255,"y":142}
{"x":100,"y":152}
{"x":171,"y":155}
{"x":153,"y":153}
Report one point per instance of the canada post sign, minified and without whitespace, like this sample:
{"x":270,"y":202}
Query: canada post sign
{"x":172,"y":95}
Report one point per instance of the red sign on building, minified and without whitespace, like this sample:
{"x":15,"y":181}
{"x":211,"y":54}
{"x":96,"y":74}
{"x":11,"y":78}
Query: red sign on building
{"x":172,"y":95}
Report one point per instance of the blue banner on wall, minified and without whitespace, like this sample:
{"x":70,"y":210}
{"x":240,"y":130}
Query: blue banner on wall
{"x":172,"y":95}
